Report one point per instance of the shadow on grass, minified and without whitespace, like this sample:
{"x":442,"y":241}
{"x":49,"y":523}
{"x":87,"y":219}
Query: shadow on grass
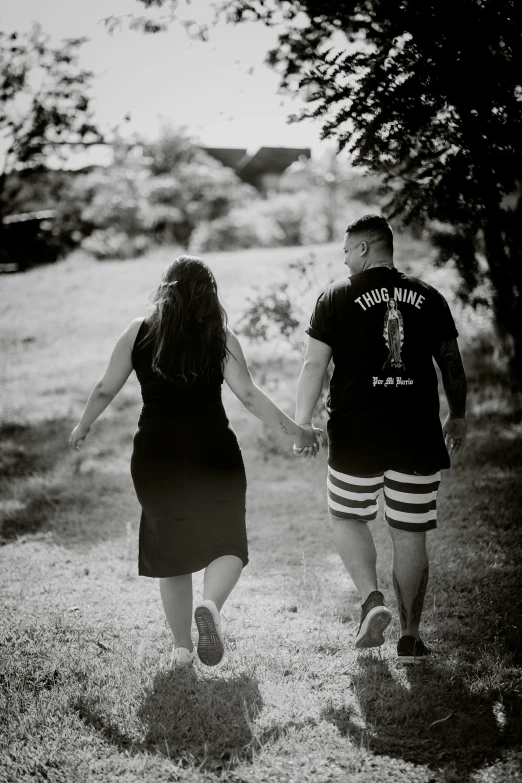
{"x":478,"y":569}
{"x":26,"y":450}
{"x":433,"y":720}
{"x":29,"y":455}
{"x":44,"y":485}
{"x":462,"y":709}
{"x":206,"y":723}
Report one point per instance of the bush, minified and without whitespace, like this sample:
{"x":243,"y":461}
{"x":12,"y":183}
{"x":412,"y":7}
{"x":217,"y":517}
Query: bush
{"x":159,"y":191}
{"x":282,"y":220}
{"x":109,"y":244}
{"x":298,"y":217}
{"x":336,"y":193}
{"x":282,"y":308}
{"x":189,"y":182}
{"x":240,"y":229}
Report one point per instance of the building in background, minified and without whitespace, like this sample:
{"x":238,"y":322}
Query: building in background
{"x":264,"y":168}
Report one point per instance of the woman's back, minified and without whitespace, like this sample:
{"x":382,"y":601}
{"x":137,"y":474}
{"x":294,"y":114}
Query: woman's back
{"x":177,"y":396}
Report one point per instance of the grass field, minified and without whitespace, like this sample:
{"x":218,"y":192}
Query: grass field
{"x":86,"y":690}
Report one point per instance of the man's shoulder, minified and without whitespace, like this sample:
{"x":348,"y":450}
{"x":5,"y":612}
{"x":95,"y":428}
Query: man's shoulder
{"x":337,"y":288}
{"x":416,"y":281}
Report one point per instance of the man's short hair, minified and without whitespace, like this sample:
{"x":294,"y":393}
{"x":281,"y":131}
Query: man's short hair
{"x":372,"y":226}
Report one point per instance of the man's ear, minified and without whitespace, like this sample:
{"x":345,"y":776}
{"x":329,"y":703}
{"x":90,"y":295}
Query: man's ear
{"x":364,"y":247}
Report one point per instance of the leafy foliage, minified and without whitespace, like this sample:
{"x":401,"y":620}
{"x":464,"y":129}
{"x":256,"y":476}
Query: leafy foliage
{"x":189,"y":183}
{"x":314,"y":206}
{"x":282,"y":309}
{"x":44,"y":99}
{"x":284,"y":219}
{"x":332,"y":192}
{"x":156,"y":192}
{"x":243,"y":227}
{"x":45,"y":110}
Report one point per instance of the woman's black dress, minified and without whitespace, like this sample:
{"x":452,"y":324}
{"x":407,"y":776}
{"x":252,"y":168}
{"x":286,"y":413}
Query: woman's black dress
{"x":188,"y":473}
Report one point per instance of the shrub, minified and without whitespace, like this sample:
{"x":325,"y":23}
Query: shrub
{"x":281,"y":220}
{"x":282,"y":308}
{"x":110,"y":244}
{"x":161,"y":190}
{"x":242,"y":228}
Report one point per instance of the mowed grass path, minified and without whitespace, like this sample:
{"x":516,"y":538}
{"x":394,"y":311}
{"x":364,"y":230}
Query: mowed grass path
{"x":86,"y":689}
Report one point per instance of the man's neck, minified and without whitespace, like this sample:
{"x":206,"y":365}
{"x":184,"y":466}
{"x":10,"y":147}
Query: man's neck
{"x":387,"y":263}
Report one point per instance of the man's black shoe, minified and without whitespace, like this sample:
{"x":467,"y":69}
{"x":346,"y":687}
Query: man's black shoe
{"x":375,"y":618}
{"x":411,"y":651}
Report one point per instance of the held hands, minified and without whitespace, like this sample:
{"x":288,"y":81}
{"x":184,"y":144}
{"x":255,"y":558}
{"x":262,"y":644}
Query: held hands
{"x":454,"y":431}
{"x":308,"y":442}
{"x":77,"y":436}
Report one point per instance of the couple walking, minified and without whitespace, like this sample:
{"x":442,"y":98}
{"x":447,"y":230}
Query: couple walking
{"x":382,"y":328}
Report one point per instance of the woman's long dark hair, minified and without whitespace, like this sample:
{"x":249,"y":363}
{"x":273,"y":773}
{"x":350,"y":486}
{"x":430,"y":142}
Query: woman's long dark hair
{"x":187,"y":324}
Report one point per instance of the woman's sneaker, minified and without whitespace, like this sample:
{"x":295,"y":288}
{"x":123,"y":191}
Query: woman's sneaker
{"x":181,"y":657}
{"x":210,"y":642}
{"x":375,"y":618}
{"x":411,"y":651}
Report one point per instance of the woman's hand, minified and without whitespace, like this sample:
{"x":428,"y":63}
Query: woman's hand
{"x":308,"y":441}
{"x":78,"y":435}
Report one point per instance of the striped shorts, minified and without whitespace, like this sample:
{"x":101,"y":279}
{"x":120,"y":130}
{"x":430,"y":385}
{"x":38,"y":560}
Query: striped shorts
{"x":410,"y":500}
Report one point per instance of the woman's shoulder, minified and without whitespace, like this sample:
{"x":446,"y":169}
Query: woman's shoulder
{"x":133,"y":329}
{"x":231,"y":337}
{"x":136,"y":324}
{"x":138,"y":321}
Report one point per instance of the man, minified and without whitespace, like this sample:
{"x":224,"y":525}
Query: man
{"x":383,"y":328}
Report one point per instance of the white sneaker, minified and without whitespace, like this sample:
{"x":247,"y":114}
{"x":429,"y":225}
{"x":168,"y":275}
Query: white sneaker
{"x":181,"y":657}
{"x":210,"y":642}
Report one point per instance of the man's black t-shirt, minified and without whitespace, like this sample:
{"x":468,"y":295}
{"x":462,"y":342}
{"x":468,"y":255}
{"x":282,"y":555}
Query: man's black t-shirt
{"x":383,"y":403}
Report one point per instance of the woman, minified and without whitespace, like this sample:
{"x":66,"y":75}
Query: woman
{"x":186,"y":463}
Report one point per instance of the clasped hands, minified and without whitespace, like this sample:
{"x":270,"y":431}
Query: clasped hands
{"x":309,"y":441}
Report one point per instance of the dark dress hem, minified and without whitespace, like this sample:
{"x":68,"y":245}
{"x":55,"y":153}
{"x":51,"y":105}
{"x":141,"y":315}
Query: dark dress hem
{"x":142,"y":571}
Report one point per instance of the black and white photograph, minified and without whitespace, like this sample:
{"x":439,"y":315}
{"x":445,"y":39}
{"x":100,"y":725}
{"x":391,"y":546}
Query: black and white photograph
{"x":260,"y":391}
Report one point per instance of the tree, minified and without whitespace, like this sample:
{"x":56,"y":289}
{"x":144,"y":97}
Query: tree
{"x":336,"y":192}
{"x":428,"y":95}
{"x":157,"y":191}
{"x":189,"y":185}
{"x":45,"y":110}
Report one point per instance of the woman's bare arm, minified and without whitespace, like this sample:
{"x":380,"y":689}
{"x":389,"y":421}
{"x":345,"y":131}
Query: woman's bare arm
{"x":113,"y":380}
{"x":238,"y":378}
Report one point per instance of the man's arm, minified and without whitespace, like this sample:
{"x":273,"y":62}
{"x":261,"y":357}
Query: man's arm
{"x":447,"y":356}
{"x":317,"y":358}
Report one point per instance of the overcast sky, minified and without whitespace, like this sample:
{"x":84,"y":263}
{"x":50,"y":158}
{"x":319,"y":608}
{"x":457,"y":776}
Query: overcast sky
{"x":221,"y":89}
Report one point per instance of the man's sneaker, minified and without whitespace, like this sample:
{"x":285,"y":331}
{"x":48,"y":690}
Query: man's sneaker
{"x":411,"y":651}
{"x":181,"y":657}
{"x":375,"y":618}
{"x":210,"y":642}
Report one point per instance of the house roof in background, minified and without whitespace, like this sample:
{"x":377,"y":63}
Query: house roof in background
{"x":228,"y":156}
{"x":267,"y":160}
{"x":272,"y":160}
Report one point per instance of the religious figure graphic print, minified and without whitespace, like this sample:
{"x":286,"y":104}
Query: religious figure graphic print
{"x":393,"y":336}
